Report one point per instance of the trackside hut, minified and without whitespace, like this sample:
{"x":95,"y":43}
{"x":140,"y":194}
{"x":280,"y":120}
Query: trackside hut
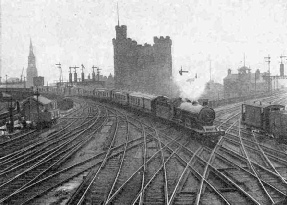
{"x":29,"y":107}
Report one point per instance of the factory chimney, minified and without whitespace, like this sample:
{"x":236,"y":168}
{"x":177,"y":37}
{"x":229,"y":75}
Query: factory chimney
{"x":282,"y":66}
{"x":75,"y":74}
{"x":70,"y":76}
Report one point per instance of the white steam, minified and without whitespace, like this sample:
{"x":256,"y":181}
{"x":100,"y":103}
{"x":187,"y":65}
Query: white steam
{"x":191,"y":87}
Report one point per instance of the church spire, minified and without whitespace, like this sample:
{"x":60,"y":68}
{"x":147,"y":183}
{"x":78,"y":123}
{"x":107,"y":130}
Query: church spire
{"x":31,"y":47}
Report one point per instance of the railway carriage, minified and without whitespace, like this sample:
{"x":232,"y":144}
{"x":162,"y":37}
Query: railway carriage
{"x":103,"y":94}
{"x":266,"y":118}
{"x":121,"y":97}
{"x":148,"y":103}
{"x":88,"y":91}
{"x":136,"y":100}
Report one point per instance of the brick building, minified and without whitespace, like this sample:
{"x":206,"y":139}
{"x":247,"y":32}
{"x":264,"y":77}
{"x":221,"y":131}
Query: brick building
{"x":244,"y":83}
{"x":145,"y":68}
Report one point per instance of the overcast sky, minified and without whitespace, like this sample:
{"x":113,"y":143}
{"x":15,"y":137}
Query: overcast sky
{"x":80,"y":31}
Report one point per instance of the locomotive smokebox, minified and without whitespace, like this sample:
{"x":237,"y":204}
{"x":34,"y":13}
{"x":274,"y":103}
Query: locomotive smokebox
{"x":281,"y":69}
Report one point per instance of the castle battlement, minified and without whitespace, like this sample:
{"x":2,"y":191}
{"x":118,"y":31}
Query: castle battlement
{"x":162,"y":40}
{"x":123,"y":27}
{"x":121,"y":32}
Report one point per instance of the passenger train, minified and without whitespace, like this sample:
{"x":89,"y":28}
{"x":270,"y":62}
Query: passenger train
{"x":190,"y":115}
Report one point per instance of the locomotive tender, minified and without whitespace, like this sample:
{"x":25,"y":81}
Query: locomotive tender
{"x":267,"y":118}
{"x":191,"y":115}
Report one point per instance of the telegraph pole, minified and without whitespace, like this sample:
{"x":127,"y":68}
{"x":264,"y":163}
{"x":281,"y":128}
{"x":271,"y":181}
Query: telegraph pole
{"x":93,"y":74}
{"x":38,"y":111}
{"x":98,"y":73}
{"x":6,"y":83}
{"x":83,"y":76}
{"x":267,"y":59}
{"x":70,"y":76}
{"x":282,"y":58}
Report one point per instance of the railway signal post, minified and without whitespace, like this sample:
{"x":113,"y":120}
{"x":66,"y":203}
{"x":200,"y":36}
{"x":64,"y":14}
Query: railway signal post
{"x":182,"y":71}
{"x":38,"y":116}
{"x":93,"y":74}
{"x":98,"y":73}
{"x":267,"y":59}
{"x":10,"y":127}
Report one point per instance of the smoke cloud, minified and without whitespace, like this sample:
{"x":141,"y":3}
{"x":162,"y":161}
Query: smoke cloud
{"x":191,"y":87}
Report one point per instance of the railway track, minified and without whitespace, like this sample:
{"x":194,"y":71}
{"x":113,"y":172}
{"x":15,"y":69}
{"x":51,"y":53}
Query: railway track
{"x":144,"y":161}
{"x":24,"y":167}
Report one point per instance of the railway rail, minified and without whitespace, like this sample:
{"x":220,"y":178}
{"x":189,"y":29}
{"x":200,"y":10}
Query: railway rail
{"x":145,"y":161}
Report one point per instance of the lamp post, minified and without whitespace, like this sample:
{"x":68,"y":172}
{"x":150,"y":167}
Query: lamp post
{"x":6,"y":83}
{"x":11,"y":124}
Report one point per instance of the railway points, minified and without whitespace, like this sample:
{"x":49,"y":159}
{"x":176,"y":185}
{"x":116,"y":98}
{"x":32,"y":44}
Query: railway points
{"x":163,"y":164}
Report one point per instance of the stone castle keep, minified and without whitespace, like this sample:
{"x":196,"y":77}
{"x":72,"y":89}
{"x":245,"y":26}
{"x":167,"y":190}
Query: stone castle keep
{"x":144,"y":68}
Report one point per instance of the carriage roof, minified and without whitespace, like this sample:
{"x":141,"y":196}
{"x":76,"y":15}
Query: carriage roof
{"x":142,"y":95}
{"x":264,"y":105}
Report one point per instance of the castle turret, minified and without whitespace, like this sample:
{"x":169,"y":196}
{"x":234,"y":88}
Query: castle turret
{"x":121,"y":32}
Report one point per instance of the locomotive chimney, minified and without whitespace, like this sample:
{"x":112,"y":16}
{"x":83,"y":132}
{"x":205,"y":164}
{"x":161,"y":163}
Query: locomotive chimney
{"x":205,"y":102}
